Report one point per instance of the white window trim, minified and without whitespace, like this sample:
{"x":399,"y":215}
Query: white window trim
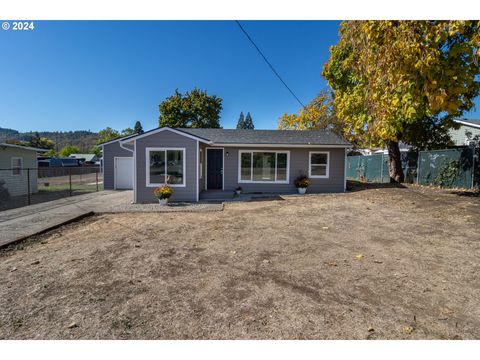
{"x":16,"y":167}
{"x":326,"y":176}
{"x":240,"y":152}
{"x":147,"y":166}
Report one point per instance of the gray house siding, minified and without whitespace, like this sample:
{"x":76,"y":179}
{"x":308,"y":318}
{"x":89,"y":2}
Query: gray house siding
{"x":299,"y":163}
{"x":166,"y":139}
{"x":110,"y":151}
{"x":18,"y":184}
{"x":458,"y":135}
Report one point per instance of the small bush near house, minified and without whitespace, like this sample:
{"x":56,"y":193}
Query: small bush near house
{"x":302,"y":181}
{"x":163,"y":192}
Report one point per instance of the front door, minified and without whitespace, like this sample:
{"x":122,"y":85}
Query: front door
{"x":214,"y":169}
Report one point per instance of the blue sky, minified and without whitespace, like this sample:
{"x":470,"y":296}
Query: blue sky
{"x":87,"y":75}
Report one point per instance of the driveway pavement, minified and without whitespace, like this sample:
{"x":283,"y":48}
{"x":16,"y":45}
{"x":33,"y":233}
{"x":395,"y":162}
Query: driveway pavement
{"x":20,"y":223}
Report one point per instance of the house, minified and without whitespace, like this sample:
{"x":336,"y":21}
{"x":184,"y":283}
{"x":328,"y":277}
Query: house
{"x":467,"y":130}
{"x":15,"y":160}
{"x":197,"y":161}
{"x":87,"y":159}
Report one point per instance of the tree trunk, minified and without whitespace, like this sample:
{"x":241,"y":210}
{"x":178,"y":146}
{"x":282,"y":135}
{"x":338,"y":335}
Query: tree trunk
{"x":395,"y":170}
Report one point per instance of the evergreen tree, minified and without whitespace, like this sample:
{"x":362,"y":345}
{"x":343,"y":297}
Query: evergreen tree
{"x":138,"y":128}
{"x":248,"y":124}
{"x":241,"y":121}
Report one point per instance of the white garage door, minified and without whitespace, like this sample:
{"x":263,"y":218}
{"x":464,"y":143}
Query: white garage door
{"x":123,"y":173}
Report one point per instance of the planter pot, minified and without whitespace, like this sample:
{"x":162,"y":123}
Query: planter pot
{"x":302,"y":190}
{"x":163,"y":202}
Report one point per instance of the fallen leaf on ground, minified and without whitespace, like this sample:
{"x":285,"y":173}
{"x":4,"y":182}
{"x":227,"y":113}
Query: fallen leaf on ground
{"x":359,"y":256}
{"x":72,"y":325}
{"x":371,"y":329}
{"x":36,"y":262}
{"x":407,"y":329}
{"x":325,"y":227}
{"x":378,"y":262}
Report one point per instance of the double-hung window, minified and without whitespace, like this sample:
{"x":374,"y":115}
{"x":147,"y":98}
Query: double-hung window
{"x":318,"y":164}
{"x":263,"y":166}
{"x":165,"y":166}
{"x":17,"y":165}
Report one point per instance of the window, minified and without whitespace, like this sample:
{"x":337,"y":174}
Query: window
{"x":318,"y":164}
{"x":17,"y":165}
{"x":263,"y":167}
{"x":165,"y":166}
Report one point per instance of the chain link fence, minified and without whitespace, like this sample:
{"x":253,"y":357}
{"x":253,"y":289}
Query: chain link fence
{"x":449,"y":168}
{"x":27,"y":186}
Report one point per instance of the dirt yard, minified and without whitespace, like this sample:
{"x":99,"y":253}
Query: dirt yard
{"x":385,"y":263}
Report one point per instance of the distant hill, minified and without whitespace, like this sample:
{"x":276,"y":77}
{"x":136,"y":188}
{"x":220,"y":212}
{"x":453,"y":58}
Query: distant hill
{"x":84,"y":139}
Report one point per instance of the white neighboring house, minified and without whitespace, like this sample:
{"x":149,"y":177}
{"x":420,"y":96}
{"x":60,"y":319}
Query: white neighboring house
{"x":468,"y":129}
{"x":14,"y":159}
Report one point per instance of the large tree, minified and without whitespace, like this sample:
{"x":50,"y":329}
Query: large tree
{"x":193,"y":109}
{"x":318,"y":114}
{"x":393,"y":80}
{"x":248,"y":122}
{"x":241,"y":121}
{"x":107,"y":134}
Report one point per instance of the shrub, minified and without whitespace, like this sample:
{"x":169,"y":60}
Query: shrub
{"x":163,"y":192}
{"x":302,"y":181}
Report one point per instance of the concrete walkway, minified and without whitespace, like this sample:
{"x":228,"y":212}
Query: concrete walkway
{"x":18,"y":224}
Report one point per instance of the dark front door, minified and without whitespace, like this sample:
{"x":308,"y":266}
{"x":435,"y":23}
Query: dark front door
{"x":214,"y":169}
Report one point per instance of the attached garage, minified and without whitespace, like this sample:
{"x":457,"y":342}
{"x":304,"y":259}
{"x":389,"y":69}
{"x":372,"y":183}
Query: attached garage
{"x":117,"y":165}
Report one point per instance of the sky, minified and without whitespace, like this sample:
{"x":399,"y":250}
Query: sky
{"x":87,"y":75}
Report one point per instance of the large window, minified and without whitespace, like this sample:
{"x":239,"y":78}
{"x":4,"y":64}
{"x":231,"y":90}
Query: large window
{"x":318,"y":164}
{"x":165,"y":166}
{"x":263,"y":166}
{"x":17,"y":165}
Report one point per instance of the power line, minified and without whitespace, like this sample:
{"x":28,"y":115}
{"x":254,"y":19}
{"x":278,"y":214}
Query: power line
{"x":268,"y":63}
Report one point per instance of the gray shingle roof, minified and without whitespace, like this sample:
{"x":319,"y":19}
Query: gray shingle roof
{"x":287,"y":137}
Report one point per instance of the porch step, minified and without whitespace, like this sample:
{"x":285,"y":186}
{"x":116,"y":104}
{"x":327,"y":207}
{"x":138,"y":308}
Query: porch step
{"x":216,"y":195}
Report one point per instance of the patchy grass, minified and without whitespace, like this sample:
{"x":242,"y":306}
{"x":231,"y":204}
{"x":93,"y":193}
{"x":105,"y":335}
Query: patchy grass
{"x":377,"y":263}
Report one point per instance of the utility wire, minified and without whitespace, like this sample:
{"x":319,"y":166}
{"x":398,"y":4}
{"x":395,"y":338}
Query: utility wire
{"x":268,"y":63}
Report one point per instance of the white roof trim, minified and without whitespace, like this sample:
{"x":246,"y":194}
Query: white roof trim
{"x":467,"y":123}
{"x":166,"y":128}
{"x":117,"y":139}
{"x":281,"y":145}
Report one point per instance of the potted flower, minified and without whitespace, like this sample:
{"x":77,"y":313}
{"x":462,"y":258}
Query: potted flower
{"x":238,"y":190}
{"x":163,"y":193}
{"x":301,"y":183}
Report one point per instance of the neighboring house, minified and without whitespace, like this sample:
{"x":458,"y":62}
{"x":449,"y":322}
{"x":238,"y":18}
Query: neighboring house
{"x":89,"y":159}
{"x":14,"y":162}
{"x":468,"y":129}
{"x":194,"y":161}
